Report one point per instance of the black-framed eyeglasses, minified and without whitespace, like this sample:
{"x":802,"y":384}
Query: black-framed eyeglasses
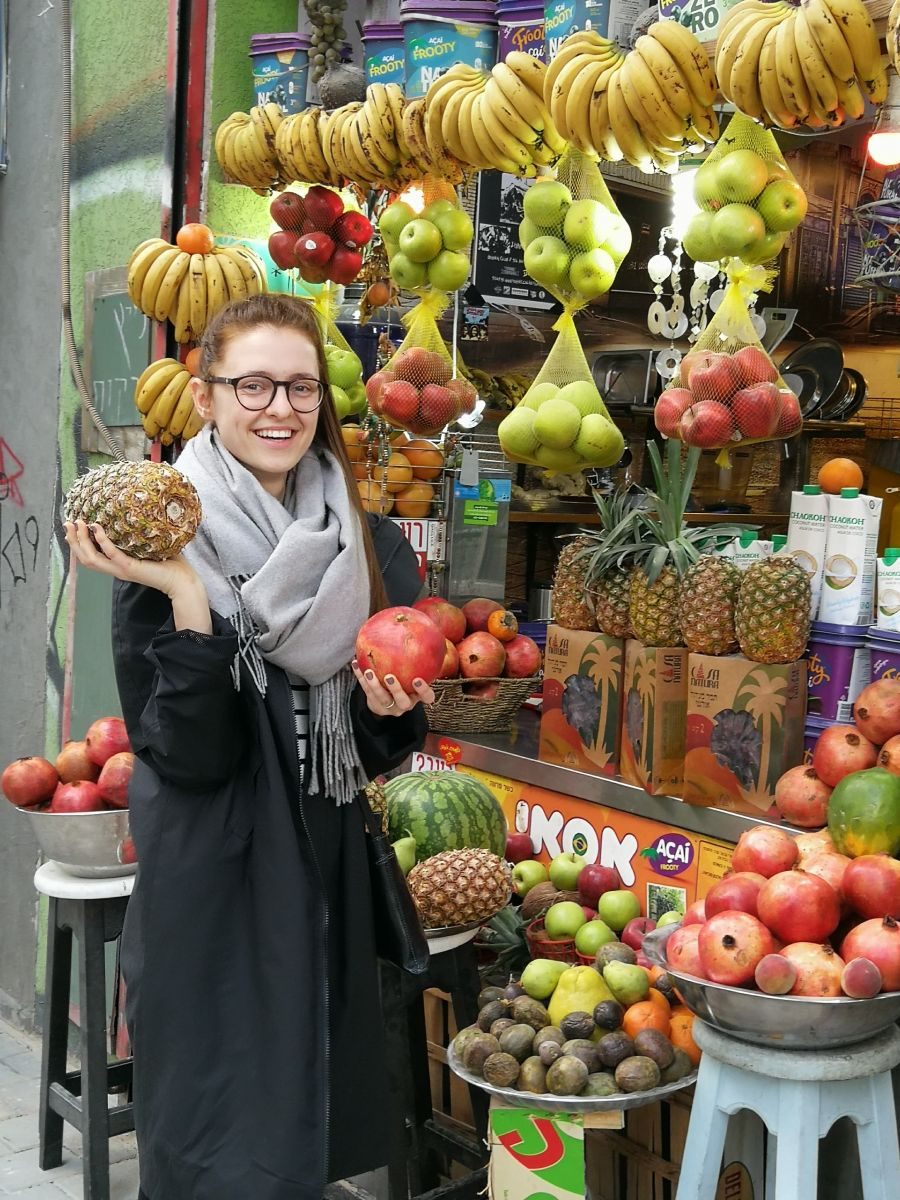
{"x":256,"y":392}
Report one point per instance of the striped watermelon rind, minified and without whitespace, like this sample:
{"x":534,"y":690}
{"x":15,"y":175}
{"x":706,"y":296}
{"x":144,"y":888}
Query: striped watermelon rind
{"x":445,"y":810}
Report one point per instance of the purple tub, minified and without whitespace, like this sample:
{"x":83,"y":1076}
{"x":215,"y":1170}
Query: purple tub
{"x":811,"y":731}
{"x":521,"y":27}
{"x":885,"y":649}
{"x":840,"y":666}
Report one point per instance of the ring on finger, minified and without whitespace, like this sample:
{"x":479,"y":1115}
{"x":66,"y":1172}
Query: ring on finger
{"x":391,"y":705}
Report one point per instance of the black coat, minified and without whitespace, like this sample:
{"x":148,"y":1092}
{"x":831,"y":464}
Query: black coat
{"x":248,"y":946}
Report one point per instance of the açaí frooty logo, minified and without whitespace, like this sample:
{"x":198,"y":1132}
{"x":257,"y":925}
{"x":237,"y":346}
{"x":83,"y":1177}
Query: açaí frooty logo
{"x":670,"y":854}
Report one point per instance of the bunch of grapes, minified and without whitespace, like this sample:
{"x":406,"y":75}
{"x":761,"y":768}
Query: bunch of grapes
{"x":327,"y":34}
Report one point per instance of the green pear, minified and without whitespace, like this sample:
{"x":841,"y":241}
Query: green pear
{"x":541,"y":976}
{"x":405,"y":849}
{"x":628,"y":984}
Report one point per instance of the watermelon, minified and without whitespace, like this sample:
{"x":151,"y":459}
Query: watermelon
{"x":864,"y":813}
{"x":445,"y":810}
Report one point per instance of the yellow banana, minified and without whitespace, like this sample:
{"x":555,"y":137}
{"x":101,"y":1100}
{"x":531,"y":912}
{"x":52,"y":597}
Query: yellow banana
{"x":363,"y":166}
{"x":818,"y":77}
{"x":510,"y":147}
{"x":858,"y":30}
{"x":744,"y":9}
{"x":626,"y":130}
{"x":381,"y":115}
{"x":743,"y":83}
{"x":331,"y":175}
{"x":293,"y":165}
{"x":154,"y":277}
{"x":235,"y":284}
{"x":492,"y":155}
{"x":667,"y":74}
{"x":183,"y":409}
{"x":565,"y":81}
{"x":638,"y":80}
{"x":180,"y":316}
{"x":216,"y":289}
{"x":728,"y":44}
{"x":704,"y":122}
{"x":582,"y":42}
{"x":197,"y":276}
{"x":875,"y":83}
{"x":530,"y":70}
{"x":892,"y":36}
{"x":507,"y":116}
{"x":248,"y":265}
{"x":194,"y":424}
{"x":395,"y":101}
{"x":520,"y":96}
{"x":161,"y":412}
{"x":828,"y":36}
{"x":776,"y":111}
{"x":168,"y":288}
{"x":142,"y":259}
{"x":851,"y":98}
{"x":152,"y":381}
{"x":602,"y":135}
{"x":791,"y":81}
{"x":451,"y":117}
{"x":468,"y":144}
{"x":690,"y":57}
{"x":311,"y":146}
{"x":578,"y":107}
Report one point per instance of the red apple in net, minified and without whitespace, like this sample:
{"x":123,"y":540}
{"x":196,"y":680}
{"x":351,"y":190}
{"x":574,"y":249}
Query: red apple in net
{"x":477,"y":612}
{"x":450,"y":665}
{"x":737,"y":892}
{"x":878,"y":940}
{"x":708,"y":425}
{"x":281,"y":249}
{"x":841,"y":750}
{"x":288,"y":211}
{"x":27,"y":782}
{"x":755,"y":366}
{"x":323,"y":206}
{"x":716,"y":379}
{"x":403,"y":643}
{"x":375,"y":386}
{"x":730,"y":946}
{"x":314,"y":250}
{"x":465,"y":392}
{"x":876,"y":710}
{"x":449,"y":619}
{"x":670,"y":408}
{"x":766,"y":850}
{"x":73,"y":762}
{"x":106,"y":737}
{"x":791,"y":419}
{"x":345,"y":264}
{"x":802,"y":798}
{"x":314,"y":274}
{"x":819,"y":969}
{"x":871,"y":885}
{"x":481,"y":656}
{"x":437,"y":406}
{"x":399,"y":402}
{"x":756,"y":410}
{"x":697,"y":358}
{"x":77,"y":797}
{"x":799,"y":907}
{"x":352,"y":229}
{"x":115,"y":779}
{"x":523,"y":657}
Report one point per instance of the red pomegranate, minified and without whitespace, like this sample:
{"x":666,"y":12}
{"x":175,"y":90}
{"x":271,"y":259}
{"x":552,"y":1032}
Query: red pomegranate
{"x":477,"y":612}
{"x":889,"y":756}
{"x":878,"y":940}
{"x":765,"y":850}
{"x":115,"y":778}
{"x":798,"y":907}
{"x":449,"y":619}
{"x":802,"y":798}
{"x":872,"y":886}
{"x":73,"y":763}
{"x":27,"y":782}
{"x":106,"y":737}
{"x":876,"y":710}
{"x":450,"y":665}
{"x":523,"y":657}
{"x":80,"y":796}
{"x":401,"y":642}
{"x":482,"y":692}
{"x":841,"y":750}
{"x":481,"y":656}
{"x":734,"y":893}
{"x":682,"y":951}
{"x":127,"y":852}
{"x":813,"y":843}
{"x":819,"y":969}
{"x":694,"y":914}
{"x":830,"y":866}
{"x":730,"y":946}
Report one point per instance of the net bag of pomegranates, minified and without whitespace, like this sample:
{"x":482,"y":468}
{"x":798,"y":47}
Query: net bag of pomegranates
{"x":727,"y":391}
{"x":749,"y":200}
{"x":420,"y":389}
{"x":572,"y":234}
{"x":428,"y":248}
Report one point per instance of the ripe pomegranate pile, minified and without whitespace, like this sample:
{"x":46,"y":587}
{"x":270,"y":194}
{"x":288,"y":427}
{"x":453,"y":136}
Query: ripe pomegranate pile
{"x":87,"y":776}
{"x":795,"y":918}
{"x":416,"y":392}
{"x":319,"y":236}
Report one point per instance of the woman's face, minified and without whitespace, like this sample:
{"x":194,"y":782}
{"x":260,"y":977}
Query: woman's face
{"x":269,"y":442}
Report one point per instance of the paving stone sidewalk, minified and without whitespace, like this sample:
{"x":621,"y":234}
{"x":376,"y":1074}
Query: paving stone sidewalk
{"x":20,"y":1175}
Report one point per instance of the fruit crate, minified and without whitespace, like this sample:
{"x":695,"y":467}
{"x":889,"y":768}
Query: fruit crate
{"x":559,"y":949}
{"x":642,"y":1162}
{"x":450,"y":1099}
{"x":456,"y":711}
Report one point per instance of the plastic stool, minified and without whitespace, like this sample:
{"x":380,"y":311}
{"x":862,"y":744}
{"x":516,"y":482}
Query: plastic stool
{"x":799,"y":1094}
{"x":93,"y":911}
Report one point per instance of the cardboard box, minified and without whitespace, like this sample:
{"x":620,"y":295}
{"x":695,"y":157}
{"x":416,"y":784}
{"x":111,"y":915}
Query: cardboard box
{"x":654,"y":709}
{"x":535,"y":1154}
{"x":581,"y":700}
{"x":744,"y":730}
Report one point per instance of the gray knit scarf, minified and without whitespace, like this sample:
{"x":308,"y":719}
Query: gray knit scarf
{"x":291,"y":578}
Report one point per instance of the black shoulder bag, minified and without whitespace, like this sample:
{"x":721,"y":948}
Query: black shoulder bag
{"x":398,"y":931}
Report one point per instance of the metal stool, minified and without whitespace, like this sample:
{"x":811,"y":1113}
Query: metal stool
{"x":799,"y":1094}
{"x":93,"y":911}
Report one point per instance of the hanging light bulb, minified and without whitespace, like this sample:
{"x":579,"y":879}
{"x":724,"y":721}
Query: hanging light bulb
{"x":884,"y":141}
{"x":683,"y":204}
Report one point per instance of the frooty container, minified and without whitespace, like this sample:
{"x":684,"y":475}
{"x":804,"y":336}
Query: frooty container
{"x":384,"y":56}
{"x":280,"y":69}
{"x":840,"y":666}
{"x":811,"y":731}
{"x":885,"y":648}
{"x":437,"y":35}
{"x":520,"y":27}
{"x":609,"y":18}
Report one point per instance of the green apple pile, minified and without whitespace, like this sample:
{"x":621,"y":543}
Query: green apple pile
{"x":749,"y":205}
{"x":430,"y":248}
{"x":348,"y":392}
{"x":573,"y":248}
{"x":561,"y":429}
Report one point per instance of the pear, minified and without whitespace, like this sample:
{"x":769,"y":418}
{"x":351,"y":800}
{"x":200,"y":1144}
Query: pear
{"x":628,"y":984}
{"x":405,"y":849}
{"x":541,"y":976}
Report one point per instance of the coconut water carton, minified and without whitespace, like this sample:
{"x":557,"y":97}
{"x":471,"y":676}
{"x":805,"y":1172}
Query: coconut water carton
{"x":580,"y":714}
{"x":654,"y":707}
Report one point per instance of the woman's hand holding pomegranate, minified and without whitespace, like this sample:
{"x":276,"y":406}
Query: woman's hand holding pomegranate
{"x":389,"y":699}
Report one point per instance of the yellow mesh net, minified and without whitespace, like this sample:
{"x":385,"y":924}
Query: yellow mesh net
{"x":347,"y":390}
{"x":427,"y":235}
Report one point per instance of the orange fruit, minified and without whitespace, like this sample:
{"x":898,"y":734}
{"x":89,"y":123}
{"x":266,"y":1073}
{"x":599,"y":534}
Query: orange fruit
{"x":414,"y":500}
{"x":378,"y":293}
{"x":503,"y":625}
{"x":427,"y":461}
{"x":360,"y":468}
{"x":680,"y":1031}
{"x":195,"y":238}
{"x":372,"y":499}
{"x":397,"y":472}
{"x":646,"y":1014}
{"x":192,"y":361}
{"x":839,"y":473}
{"x":356,"y":452}
{"x":656,"y":997}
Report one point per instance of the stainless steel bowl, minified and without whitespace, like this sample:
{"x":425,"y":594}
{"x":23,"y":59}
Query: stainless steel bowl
{"x":86,"y":844}
{"x":791,"y":1022}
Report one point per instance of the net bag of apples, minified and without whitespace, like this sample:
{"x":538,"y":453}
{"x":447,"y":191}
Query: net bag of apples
{"x":727,"y":391}
{"x":419,"y":390}
{"x":428,"y":249}
{"x":748,"y":198}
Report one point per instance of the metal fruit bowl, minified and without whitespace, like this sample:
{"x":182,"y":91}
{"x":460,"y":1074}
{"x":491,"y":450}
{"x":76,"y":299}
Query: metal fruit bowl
{"x":790,"y":1022}
{"x":86,"y":844}
{"x":448,"y":937}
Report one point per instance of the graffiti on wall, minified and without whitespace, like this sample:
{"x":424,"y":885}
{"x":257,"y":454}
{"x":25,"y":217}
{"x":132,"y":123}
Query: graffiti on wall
{"x":20,"y":534}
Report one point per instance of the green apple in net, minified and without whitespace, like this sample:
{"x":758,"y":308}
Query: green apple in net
{"x":516,"y":433}
{"x":344,"y":368}
{"x":357,"y":395}
{"x":584,"y":395}
{"x":546,"y":203}
{"x":437,"y":208}
{"x":538,"y":393}
{"x":393,"y":219}
{"x":420,"y":240}
{"x":766,"y":249}
{"x":698,"y":242}
{"x":341,"y":401}
{"x":736,"y":229}
{"x":706,"y":189}
{"x":455,"y":227}
{"x":406,"y":273}
{"x":592,"y":273}
{"x":592,"y":935}
{"x":547,"y":261}
{"x":528,"y":232}
{"x":618,"y":240}
{"x":782,"y":205}
{"x":557,"y":462}
{"x":741,"y":176}
{"x":556,"y":424}
{"x":448,"y":271}
{"x":599,"y":442}
{"x":586,"y":224}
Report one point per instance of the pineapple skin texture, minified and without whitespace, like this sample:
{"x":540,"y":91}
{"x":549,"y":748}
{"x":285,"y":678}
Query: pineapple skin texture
{"x":147,"y":510}
{"x":612,"y":603}
{"x":709,"y":592}
{"x":457,"y":886}
{"x":654,"y":609}
{"x":772,"y":616}
{"x":571,"y":607}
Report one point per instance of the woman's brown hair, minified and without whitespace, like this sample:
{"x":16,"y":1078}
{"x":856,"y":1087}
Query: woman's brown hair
{"x":289,"y":312}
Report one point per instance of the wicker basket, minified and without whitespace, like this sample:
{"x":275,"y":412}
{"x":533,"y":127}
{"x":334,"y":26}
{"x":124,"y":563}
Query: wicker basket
{"x":560,"y":949}
{"x":454,"y":711}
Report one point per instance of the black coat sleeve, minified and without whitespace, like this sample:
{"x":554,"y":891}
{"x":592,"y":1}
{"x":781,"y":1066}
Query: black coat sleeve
{"x":384,"y":742}
{"x":397,"y":559}
{"x":178,"y":698}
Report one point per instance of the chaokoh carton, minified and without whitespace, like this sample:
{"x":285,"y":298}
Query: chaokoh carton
{"x":580,"y":715}
{"x":654,"y":708}
{"x":744,"y":730}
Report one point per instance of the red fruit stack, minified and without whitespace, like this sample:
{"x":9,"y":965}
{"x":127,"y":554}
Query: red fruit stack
{"x":318,"y":236}
{"x":415,"y":392}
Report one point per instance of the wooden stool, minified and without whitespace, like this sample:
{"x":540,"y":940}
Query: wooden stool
{"x":799,"y":1094}
{"x":93,"y":911}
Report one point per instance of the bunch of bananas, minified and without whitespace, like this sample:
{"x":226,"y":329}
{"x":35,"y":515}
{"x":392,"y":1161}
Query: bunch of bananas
{"x":893,"y":36}
{"x":245,"y":147}
{"x":815,"y":65}
{"x":646,"y":106}
{"x":497,"y":120}
{"x":168,"y":284}
{"x":164,"y":401}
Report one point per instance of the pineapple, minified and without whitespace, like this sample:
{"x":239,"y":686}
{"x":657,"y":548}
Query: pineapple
{"x":376,"y":794}
{"x":149,"y":510}
{"x":458,"y":886}
{"x":709,"y":593}
{"x":608,"y":579}
{"x":653,"y":607}
{"x":772,"y":617}
{"x":571,"y":608}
